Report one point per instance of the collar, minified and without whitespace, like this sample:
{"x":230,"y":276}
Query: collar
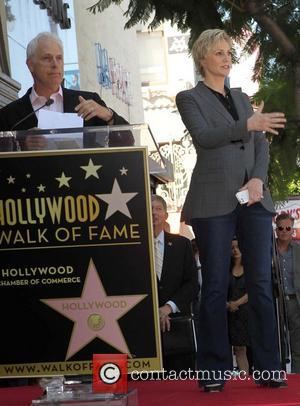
{"x":227,"y":91}
{"x":289,"y":249}
{"x":35,"y":98}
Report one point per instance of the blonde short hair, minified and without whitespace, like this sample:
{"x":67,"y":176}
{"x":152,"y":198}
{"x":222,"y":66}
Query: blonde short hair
{"x":205,"y":43}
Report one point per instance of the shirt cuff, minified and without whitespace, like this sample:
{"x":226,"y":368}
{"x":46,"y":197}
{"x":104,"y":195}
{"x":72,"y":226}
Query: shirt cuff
{"x":173,"y":306}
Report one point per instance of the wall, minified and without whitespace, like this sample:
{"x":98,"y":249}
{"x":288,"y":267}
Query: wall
{"x":159,"y":96}
{"x":107,"y":29}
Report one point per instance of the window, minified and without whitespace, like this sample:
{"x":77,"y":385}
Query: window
{"x":152,"y":57}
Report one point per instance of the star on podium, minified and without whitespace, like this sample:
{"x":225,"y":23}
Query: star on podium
{"x":41,"y":188}
{"x":117,"y":201}
{"x":63,"y":180}
{"x":91,"y":169}
{"x":123,"y":171}
{"x":11,"y":180}
{"x":95,"y":315}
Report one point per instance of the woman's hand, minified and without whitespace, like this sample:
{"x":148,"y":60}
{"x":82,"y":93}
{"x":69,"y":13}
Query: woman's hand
{"x":232,"y":306}
{"x":255,"y":189}
{"x":260,"y":121}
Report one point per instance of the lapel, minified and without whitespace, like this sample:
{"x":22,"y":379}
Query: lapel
{"x":70,"y":100}
{"x":240,"y":107}
{"x":167,"y":263}
{"x":212,"y":102}
{"x":23,"y":109}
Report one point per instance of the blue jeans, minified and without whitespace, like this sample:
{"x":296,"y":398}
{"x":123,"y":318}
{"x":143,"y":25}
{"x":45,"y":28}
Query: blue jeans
{"x":253,"y":227}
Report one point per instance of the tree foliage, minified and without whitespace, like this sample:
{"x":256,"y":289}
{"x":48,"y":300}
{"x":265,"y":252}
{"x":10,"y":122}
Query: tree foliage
{"x":284,"y":168}
{"x":273,"y":27}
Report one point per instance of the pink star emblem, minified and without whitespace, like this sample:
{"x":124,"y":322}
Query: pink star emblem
{"x":95,"y":314}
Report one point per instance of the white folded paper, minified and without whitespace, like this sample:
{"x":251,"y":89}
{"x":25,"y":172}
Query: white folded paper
{"x":53,"y":119}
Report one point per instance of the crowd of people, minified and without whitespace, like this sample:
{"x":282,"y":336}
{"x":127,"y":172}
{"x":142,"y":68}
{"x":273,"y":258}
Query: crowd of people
{"x":233,"y":242}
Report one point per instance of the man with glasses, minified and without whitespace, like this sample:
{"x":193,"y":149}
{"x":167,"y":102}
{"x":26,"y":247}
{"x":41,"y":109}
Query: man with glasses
{"x":289,"y":259}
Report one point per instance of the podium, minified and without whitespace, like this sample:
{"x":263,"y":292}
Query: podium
{"x":138,"y":135}
{"x":77,"y":263}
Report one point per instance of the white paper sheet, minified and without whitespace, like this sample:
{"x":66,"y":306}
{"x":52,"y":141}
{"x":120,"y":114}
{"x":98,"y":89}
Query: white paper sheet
{"x":53,"y":119}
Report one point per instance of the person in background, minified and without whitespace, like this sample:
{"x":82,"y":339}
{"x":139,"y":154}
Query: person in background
{"x":232,"y":155}
{"x":45,"y":62}
{"x":238,"y":311}
{"x":177,"y":278}
{"x":289,"y":261}
{"x":74,"y":82}
{"x":196,"y":253}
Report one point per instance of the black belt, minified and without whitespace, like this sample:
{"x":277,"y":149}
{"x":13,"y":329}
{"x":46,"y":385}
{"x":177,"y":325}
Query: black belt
{"x":289,"y":297}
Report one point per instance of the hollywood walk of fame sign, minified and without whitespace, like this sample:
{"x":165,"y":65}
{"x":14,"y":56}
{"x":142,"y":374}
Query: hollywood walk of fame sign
{"x":76,"y":274}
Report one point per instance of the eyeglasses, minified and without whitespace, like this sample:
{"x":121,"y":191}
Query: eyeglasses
{"x":280,"y":228}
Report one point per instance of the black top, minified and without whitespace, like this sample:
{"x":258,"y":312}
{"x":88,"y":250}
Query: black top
{"x":227,"y":101}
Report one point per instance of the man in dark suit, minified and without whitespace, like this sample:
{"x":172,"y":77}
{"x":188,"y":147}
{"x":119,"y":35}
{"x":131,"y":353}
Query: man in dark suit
{"x":178,"y":286}
{"x":46,"y":64}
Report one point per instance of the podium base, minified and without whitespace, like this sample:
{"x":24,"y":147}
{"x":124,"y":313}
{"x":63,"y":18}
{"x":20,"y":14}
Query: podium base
{"x":82,"y":395}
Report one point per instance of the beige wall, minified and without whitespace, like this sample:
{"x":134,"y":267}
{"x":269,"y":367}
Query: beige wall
{"x":159,"y":98}
{"x":107,"y":28}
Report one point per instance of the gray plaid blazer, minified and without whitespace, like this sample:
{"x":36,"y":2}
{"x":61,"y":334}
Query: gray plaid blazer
{"x":226,"y":152}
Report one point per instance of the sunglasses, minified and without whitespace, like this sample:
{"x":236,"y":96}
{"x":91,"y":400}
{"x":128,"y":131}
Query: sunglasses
{"x":280,"y":228}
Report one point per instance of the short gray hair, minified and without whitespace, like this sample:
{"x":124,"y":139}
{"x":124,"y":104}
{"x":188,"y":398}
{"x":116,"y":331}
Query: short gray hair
{"x":157,"y":198}
{"x":33,"y":44}
{"x":205,"y":43}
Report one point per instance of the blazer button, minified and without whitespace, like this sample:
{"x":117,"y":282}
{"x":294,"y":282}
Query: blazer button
{"x":242,"y":147}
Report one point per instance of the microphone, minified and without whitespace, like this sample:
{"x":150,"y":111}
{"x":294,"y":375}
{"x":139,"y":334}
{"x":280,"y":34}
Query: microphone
{"x":48,"y":103}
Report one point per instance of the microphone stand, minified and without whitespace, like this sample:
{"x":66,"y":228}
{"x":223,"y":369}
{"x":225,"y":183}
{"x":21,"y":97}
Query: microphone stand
{"x":48,"y":103}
